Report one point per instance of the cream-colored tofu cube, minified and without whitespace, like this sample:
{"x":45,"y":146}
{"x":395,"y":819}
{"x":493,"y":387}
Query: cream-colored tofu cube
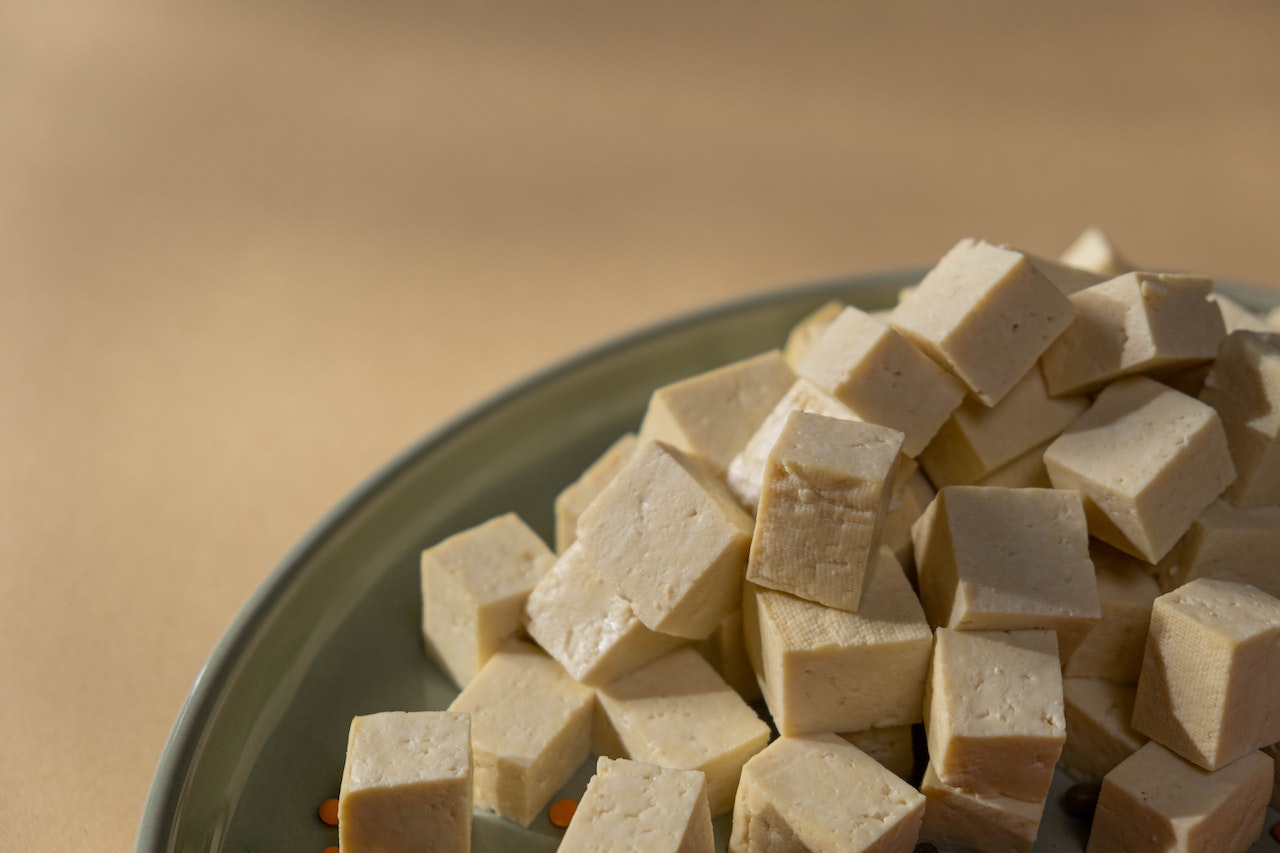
{"x":820,"y":793}
{"x":828,"y":670}
{"x":977,"y":440}
{"x":588,"y":628}
{"x":1140,"y":322}
{"x":634,"y":806}
{"x":826,"y":489}
{"x":1244,"y":389}
{"x":986,"y":314}
{"x":963,"y":821}
{"x":882,"y":377}
{"x":912,"y":492}
{"x":579,"y":494}
{"x":668,"y":536}
{"x":1238,"y":318}
{"x":1067,"y":278}
{"x":474,"y":585}
{"x":802,"y":336}
{"x":1155,"y":801}
{"x":530,"y":729}
{"x":677,"y":712}
{"x":1099,"y":735}
{"x":1126,"y":590}
{"x":711,"y":415}
{"x":1244,"y":543}
{"x":1208,"y":689}
{"x":1148,"y":461}
{"x":1025,"y":472}
{"x":726,"y":651}
{"x":745,"y":476}
{"x":892,"y":746}
{"x":989,"y":558}
{"x":1094,"y":251}
{"x":406,"y":784}
{"x":994,"y":719}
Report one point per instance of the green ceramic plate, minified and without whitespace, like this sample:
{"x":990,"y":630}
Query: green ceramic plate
{"x":334,"y":631}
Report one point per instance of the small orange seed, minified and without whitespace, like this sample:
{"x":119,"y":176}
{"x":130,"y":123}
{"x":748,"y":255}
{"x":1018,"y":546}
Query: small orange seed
{"x":329,"y":811}
{"x":561,"y":812}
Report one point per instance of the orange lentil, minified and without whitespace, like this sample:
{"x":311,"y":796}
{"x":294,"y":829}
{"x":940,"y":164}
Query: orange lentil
{"x":561,"y":812}
{"x":328,"y":811}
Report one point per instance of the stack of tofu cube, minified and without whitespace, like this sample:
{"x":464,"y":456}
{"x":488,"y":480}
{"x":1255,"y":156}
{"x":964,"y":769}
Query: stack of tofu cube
{"x":1029,"y":516}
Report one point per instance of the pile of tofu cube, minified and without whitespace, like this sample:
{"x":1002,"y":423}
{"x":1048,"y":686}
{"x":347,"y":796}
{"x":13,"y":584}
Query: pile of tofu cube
{"x":1032,"y":513}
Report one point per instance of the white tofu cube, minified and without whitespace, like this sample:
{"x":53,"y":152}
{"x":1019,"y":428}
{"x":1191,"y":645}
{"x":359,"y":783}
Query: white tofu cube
{"x":960,"y":819}
{"x":406,"y":784}
{"x":1244,"y":543}
{"x":726,"y":651}
{"x":579,"y":494}
{"x":1098,"y":732}
{"x":826,"y":490}
{"x":1025,"y":472}
{"x":1113,"y":648}
{"x":803,"y":335}
{"x":1208,"y":689}
{"x":1244,"y":389}
{"x":631,"y":805}
{"x":474,"y":585}
{"x":1094,"y":251}
{"x":892,"y":747}
{"x":1148,"y":461}
{"x":912,"y":492}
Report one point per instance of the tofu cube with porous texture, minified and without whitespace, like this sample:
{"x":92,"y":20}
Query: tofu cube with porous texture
{"x":993,"y":711}
{"x":726,"y":651}
{"x":962,"y":821}
{"x":986,"y":314}
{"x":892,"y":746}
{"x":828,"y":670}
{"x":406,"y":784}
{"x":712,"y":415}
{"x":826,"y":489}
{"x":1244,"y":389}
{"x":634,"y":806}
{"x":587,"y":627}
{"x":746,"y":472}
{"x":978,"y":440}
{"x":1140,"y":322}
{"x":1148,"y":461}
{"x":819,"y":792}
{"x":579,"y":494}
{"x":1113,"y":648}
{"x":677,"y":712}
{"x":1099,"y":735}
{"x":1155,"y":801}
{"x":1208,"y":689}
{"x":670,"y":538}
{"x":1094,"y":251}
{"x":530,"y":729}
{"x":803,"y":334}
{"x":882,"y":377}
{"x":474,"y":585}
{"x":989,"y":558}
{"x":1244,"y":543}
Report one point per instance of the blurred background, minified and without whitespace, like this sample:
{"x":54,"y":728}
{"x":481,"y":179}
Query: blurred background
{"x":249,"y":251}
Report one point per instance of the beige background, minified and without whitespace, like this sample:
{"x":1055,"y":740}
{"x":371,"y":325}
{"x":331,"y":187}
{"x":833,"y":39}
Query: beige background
{"x":250,"y":250}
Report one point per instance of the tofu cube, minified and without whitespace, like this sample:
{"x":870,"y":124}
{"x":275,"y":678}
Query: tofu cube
{"x":1094,"y":251}
{"x":726,"y":651}
{"x":803,"y":335}
{"x":989,"y":558}
{"x":677,"y":712}
{"x":1098,"y":732}
{"x":958,"y":819}
{"x":1113,"y":648}
{"x":712,"y":415}
{"x":1067,"y":278}
{"x":1244,"y":389}
{"x":882,"y":377}
{"x":1025,"y":472}
{"x":1237,"y":318}
{"x":993,"y":711}
{"x":826,"y":490}
{"x":893,"y":747}
{"x":745,"y":476}
{"x":1155,"y":801}
{"x":1148,"y":461}
{"x":670,"y":538}
{"x":631,"y":805}
{"x":474,"y":585}
{"x":525,"y":749}
{"x":579,"y":494}
{"x":1244,"y":543}
{"x":977,"y":440}
{"x":912,"y":492}
{"x":828,"y":670}
{"x":986,"y":314}
{"x":819,"y":792}
{"x":588,"y":628}
{"x":1208,"y":689}
{"x":406,"y":784}
{"x":1140,"y":322}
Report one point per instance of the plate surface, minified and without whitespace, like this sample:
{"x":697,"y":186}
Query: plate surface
{"x":334,"y":631}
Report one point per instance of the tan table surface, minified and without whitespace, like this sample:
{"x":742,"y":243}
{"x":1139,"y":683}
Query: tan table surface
{"x":249,"y":251}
